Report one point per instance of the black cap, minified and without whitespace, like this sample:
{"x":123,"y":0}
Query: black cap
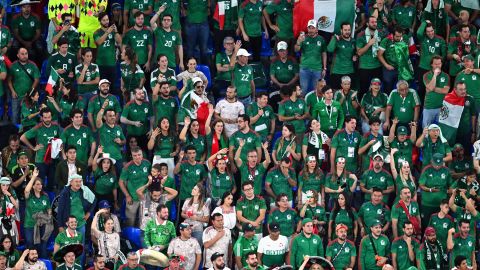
{"x":274,"y":227}
{"x":247,"y":227}
{"x":215,"y":256}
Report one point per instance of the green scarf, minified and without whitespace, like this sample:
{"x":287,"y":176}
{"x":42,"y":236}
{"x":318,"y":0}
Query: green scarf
{"x":405,"y":69}
{"x":435,"y":260}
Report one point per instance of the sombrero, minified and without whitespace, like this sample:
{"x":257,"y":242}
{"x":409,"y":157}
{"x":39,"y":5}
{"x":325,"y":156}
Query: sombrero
{"x":23,"y":2}
{"x":284,"y":267}
{"x":75,"y":248}
{"x":152,"y":257}
{"x":319,"y":260}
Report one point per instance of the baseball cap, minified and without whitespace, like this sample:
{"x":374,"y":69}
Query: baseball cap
{"x":22,"y":153}
{"x":215,"y":256}
{"x":5,"y":180}
{"x":195,"y":80}
{"x":376,"y":81}
{"x":306,"y":220}
{"x":312,"y":23}
{"x":457,"y":146}
{"x":401,"y":130}
{"x":104,"y":204}
{"x":429,"y":231}
{"x":468,"y":57}
{"x":282,"y":45}
{"x":243,"y":52}
{"x":183,"y":225}
{"x":375,"y":223}
{"x":437,"y":159}
{"x":116,"y":6}
{"x":247,"y":227}
{"x":102,"y":81}
{"x":341,"y":226}
{"x":274,"y":227}
{"x":378,"y":155}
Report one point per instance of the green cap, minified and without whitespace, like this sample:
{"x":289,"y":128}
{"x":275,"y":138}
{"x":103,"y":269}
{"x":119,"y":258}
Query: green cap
{"x":22,"y":153}
{"x":306,"y":220}
{"x":457,"y":146}
{"x":401,"y":130}
{"x":468,"y":57}
{"x":437,"y":159}
{"x":375,"y":81}
{"x":375,"y":223}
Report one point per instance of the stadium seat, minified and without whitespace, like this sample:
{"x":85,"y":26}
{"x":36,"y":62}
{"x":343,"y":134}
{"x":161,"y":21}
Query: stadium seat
{"x":206,"y":71}
{"x":48,"y":263}
{"x":259,"y":77}
{"x":266,"y":47}
{"x":133,"y":235}
{"x":43,"y":73}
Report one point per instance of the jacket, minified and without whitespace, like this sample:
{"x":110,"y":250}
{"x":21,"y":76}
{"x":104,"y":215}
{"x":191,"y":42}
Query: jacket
{"x":61,"y":172}
{"x":64,"y":201}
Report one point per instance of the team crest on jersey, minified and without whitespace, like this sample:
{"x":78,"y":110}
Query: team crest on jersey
{"x":145,"y":36}
{"x":110,"y":103}
{"x":145,"y":169}
{"x":256,"y":207}
{"x":118,"y":132}
{"x":355,"y":140}
{"x":69,"y":61}
{"x":197,"y":171}
{"x":445,"y":225}
{"x":267,"y":113}
{"x":382,"y":179}
{"x":442,"y":79}
{"x":474,"y":77}
{"x":4,"y":35}
{"x":319,"y":43}
{"x":29,"y":70}
{"x":146,"y":110}
{"x":84,"y":135}
{"x":379,"y":211}
{"x":300,"y":106}
{"x":289,"y":217}
{"x":382,"y":242}
{"x":249,"y":140}
{"x":347,"y":250}
{"x":314,"y":241}
{"x":437,"y":44}
{"x":469,"y":243}
{"x":443,"y":176}
{"x":290,"y":67}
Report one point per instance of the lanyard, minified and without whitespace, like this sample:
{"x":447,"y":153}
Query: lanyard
{"x":329,"y":112}
{"x":350,"y":138}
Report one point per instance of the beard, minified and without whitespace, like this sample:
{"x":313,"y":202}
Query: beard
{"x":221,"y":266}
{"x":432,"y":241}
{"x":255,"y":264}
{"x":33,"y":260}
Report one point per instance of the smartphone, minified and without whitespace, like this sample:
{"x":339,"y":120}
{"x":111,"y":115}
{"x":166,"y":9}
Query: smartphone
{"x":66,"y":22}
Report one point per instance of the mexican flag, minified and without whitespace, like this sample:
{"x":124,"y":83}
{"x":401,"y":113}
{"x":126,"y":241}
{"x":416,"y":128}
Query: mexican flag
{"x":219,"y":14}
{"x":450,"y":114}
{"x":329,"y":14}
{"x":52,"y":81}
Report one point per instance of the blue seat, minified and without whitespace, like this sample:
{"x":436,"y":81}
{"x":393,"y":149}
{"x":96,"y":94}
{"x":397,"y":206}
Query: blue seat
{"x":48,"y":263}
{"x":173,"y":210}
{"x":133,"y":235}
{"x":266,"y":47}
{"x":206,"y":71}
{"x":44,"y":73}
{"x":276,"y":136}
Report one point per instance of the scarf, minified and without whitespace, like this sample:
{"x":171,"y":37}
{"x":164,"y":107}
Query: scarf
{"x":442,"y":139}
{"x":429,"y":6}
{"x":376,"y":45}
{"x":88,"y":195}
{"x":438,"y":260}
{"x":405,"y":68}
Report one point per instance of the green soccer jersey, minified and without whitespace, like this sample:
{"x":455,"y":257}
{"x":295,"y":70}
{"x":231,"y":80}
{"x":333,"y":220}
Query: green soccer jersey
{"x":343,"y":51}
{"x":334,"y":184}
{"x":190,"y":175}
{"x":472,"y":82}
{"x":302,"y":245}
{"x":199,"y":144}
{"x":311,"y":181}
{"x":463,"y":214}
{"x":342,"y":252}
{"x":289,"y":108}
{"x":404,"y":16}
{"x":223,"y":59}
{"x":165,"y":145}
{"x":43,"y":134}
{"x":429,"y":47}
{"x":400,"y":184}
{"x":371,"y":102}
{"x":25,"y":112}
{"x":243,"y":246}
{"x":330,"y":116}
{"x":20,"y":80}
{"x":253,"y":174}
{"x":165,"y":107}
{"x":369,"y":59}
{"x":367,"y":259}
{"x":441,"y":226}
{"x":387,"y":45}
{"x":435,"y":179}
{"x":81,"y":137}
{"x":77,"y":212}
{"x":316,"y":212}
{"x":35,"y":205}
{"x":197,"y":11}
{"x":251,"y":139}
{"x":251,"y":209}
{"x":63,"y":239}
{"x":159,"y":234}
{"x":67,"y":106}
{"x":347,"y":145}
{"x":6,"y":36}
{"x":166,"y":43}
{"x":400,"y":249}
{"x":399,"y":214}
{"x":287,"y":219}
{"x":311,"y":98}
{"x":463,"y":246}
{"x":27,"y":27}
{"x":172,"y":7}
{"x":434,"y":100}
{"x":347,"y":103}
{"x":139,"y":40}
{"x":343,"y":217}
{"x":370,"y":213}
{"x":131,"y":76}
{"x":106,"y":52}
{"x":403,"y":108}
{"x":439,"y":19}
{"x":430,"y":148}
{"x":220,"y":183}
{"x":242,"y":76}
{"x":264,"y":123}
{"x":168,"y":75}
{"x":96,"y":102}
{"x":73,"y":38}
{"x":284,"y":71}
{"x":67,"y":62}
{"x":312,"y":49}
{"x":404,"y":153}
{"x":140,"y":5}
{"x":107,"y":135}
{"x":279,"y":182}
{"x":284,"y":11}
{"x":90,"y":75}
{"x":138,"y":112}
{"x":135,"y":176}
{"x":381,"y":179}
{"x":251,"y":14}
{"x":367,"y":156}
{"x":281,"y":146}
{"x":105,"y":183}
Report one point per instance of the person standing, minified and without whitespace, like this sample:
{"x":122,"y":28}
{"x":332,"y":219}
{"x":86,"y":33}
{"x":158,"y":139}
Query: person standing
{"x":437,"y":85}
{"x":273,"y":249}
{"x":250,"y":22}
{"x":159,"y":231}
{"x":245,"y":244}
{"x":187,"y":246}
{"x":374,"y":249}
{"x":328,"y":112}
{"x":404,"y":211}
{"x":344,"y":55}
{"x":242,"y":77}
{"x":462,"y":243}
{"x":432,"y":254}
{"x":347,"y":150}
{"x":368,"y":46}
{"x":251,"y":208}
{"x":405,"y":248}
{"x":305,"y":243}
{"x":293,"y":110}
{"x":228,"y":110}
{"x":217,"y":239}
{"x":139,"y":38}
{"x":168,"y":41}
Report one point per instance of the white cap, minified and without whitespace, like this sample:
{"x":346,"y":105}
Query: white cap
{"x":378,"y":155}
{"x":243,"y":52}
{"x":282,"y":45}
{"x":196,"y":79}
{"x":102,"y":81}
{"x":312,"y":23}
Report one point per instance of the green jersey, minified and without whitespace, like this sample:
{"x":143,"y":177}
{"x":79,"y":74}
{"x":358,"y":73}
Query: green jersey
{"x":139,"y":40}
{"x":242,"y":77}
{"x":463,"y":214}
{"x":403,"y":108}
{"x":312,"y":49}
{"x":472,"y":82}
{"x":284,"y":71}
{"x":67,"y":106}
{"x":220,"y":183}
{"x":106,"y":52}
{"x":287,"y":219}
{"x":456,"y":46}
{"x":456,"y":29}
{"x":302,"y":245}
{"x":400,"y":249}
{"x":35,"y":205}
{"x":369,"y":59}
{"x":105,"y":183}
{"x":404,"y":16}
{"x":251,"y":14}
{"x":168,"y":75}
{"x":279,"y":182}
{"x":131,"y":76}
{"x":231,"y":15}
{"x":91,"y":74}
{"x":367,"y":259}
{"x":25,"y":112}
{"x":284,"y":11}
{"x":190,"y":175}
{"x":253,"y":174}
{"x":342,"y":252}
{"x":281,"y":146}
{"x":96,"y":102}
{"x":370,"y":213}
{"x":330,"y":116}
{"x":343,"y":51}
{"x":463,"y":246}
{"x":42,"y":135}
{"x":346,"y":100}
{"x":250,"y":209}
{"x":399,"y":214}
{"x":244,"y":246}
{"x":73,"y":38}
{"x":165,"y":145}
{"x":64,"y":239}
{"x":81,"y":137}
{"x":439,"y":19}
{"x":223,"y":59}
{"x":289,"y":108}
{"x":159,"y":234}
{"x":343,"y":216}
{"x":346,"y":145}
{"x":263,"y":125}
{"x":251,"y":139}
{"x":404,"y":153}
{"x":21,"y":81}
{"x":430,"y":148}
{"x":167,"y":42}
{"x":137,"y":112}
{"x":172,"y":7}
{"x":6,"y":36}
{"x":67,"y":62}
{"x":316,"y":212}
{"x":400,"y":184}
{"x":197,"y":11}
{"x":27,"y":27}
{"x":434,"y":100}
{"x":334,"y":184}
{"x":107,"y":135}
{"x":165,"y":107}
{"x":441,"y":226}
{"x":435,"y":179}
{"x":371,"y":102}
{"x":199,"y":144}
{"x":140,"y":5}
{"x":429,"y":47}
{"x":382,"y":180}
{"x":312,"y":98}
{"x":77,"y":212}
{"x":387,"y":45}
{"x":311,"y":181}
{"x":135,"y":176}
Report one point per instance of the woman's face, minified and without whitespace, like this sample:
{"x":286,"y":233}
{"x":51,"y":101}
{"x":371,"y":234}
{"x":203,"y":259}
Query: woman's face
{"x":132,"y":142}
{"x":312,"y":163}
{"x":37,"y":186}
{"x":7,"y":244}
{"x":195,"y":191}
{"x":286,"y":132}
{"x":218,"y":127}
{"x":221,"y":165}
{"x":340,"y":164}
{"x":192,"y":64}
{"x":109,"y":225}
{"x":315,"y":125}
{"x":194,"y":126}
{"x":4,"y":187}
{"x":87,"y":57}
{"x":35,"y":97}
{"x":229,"y":200}
{"x":406,"y":168}
{"x":106,"y":164}
{"x":341,"y":200}
{"x":165,"y":125}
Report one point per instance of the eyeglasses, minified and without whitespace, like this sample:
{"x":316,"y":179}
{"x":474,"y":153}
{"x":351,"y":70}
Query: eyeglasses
{"x":248,"y":189}
{"x":199,"y":87}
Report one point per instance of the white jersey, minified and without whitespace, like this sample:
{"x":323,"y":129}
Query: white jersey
{"x":273,"y":251}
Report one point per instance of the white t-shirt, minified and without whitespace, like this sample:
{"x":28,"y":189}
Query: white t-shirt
{"x":221,"y":246}
{"x":229,"y":110}
{"x":268,"y":247}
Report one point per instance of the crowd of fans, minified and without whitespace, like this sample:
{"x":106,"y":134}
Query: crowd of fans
{"x":249,"y":149}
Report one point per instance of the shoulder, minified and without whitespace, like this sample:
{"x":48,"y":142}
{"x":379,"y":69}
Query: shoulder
{"x":332,"y":242}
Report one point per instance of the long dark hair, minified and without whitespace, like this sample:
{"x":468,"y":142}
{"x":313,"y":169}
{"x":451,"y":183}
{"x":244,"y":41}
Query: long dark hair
{"x":29,"y":98}
{"x":132,"y":56}
{"x":224,"y":196}
{"x":348,"y":207}
{"x":12,"y":247}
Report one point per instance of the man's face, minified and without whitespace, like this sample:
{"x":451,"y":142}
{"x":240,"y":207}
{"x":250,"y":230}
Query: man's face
{"x":430,"y":31}
{"x":14,"y":144}
{"x":155,"y":195}
{"x":463,"y":265}
{"x":165,"y":90}
{"x":283,"y":202}
{"x":132,"y":261}
{"x":375,"y":127}
{"x":378,"y":163}
{"x":328,"y":95}
{"x":69,"y":257}
{"x":228,"y":45}
{"x":139,"y":95}
{"x":376,"y":230}
{"x":252,"y":260}
{"x":26,"y":10}
{"x":444,"y":208}
{"x":397,"y":36}
{"x":137,"y":156}
{"x":262,"y":101}
{"x":346,"y":31}
{"x":47,"y":118}
{"x":163,"y":214}
{"x":308,"y":228}
{"x":63,"y":49}
{"x":243,"y":60}
{"x":231,"y":93}
{"x":408,"y":230}
{"x":464,"y":228}
{"x":351,"y":125}
{"x":111,"y":117}
{"x":174,"y":264}
{"x":219,"y":263}
{"x":3,"y":261}
{"x":342,"y":234}
{"x":22,"y":55}
{"x":72,"y":154}
{"x":434,"y":132}
{"x":105,"y":22}
{"x":437,"y":64}
{"x":346,"y":85}
{"x":77,"y":119}
{"x":76,"y":184}
{"x":403,"y":89}
{"x":377,"y":197}
{"x":241,"y":123}
{"x":105,"y":88}
{"x":33,"y":256}
{"x":100,"y":263}
{"x":372,"y":23}
{"x":432,"y":238}
{"x":465,"y":33}
{"x":218,"y":222}
{"x":139,"y":21}
{"x":23,"y":161}
{"x":199,"y":88}
{"x":282,"y":53}
{"x":461,"y":90}
{"x":406,"y":195}
{"x":191,"y":154}
{"x":163,"y":62}
{"x":167,"y":22}
{"x":312,"y":31}
{"x":464,"y":16}
{"x":187,"y":232}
